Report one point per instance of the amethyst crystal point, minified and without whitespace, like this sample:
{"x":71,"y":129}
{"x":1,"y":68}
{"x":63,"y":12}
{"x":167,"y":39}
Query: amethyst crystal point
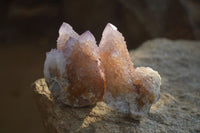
{"x":78,"y":71}
{"x":65,"y":32}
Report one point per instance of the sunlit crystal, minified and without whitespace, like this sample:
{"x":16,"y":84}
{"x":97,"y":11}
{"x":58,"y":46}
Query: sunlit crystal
{"x":128,"y":90}
{"x":75,"y":69}
{"x":80,"y":73}
{"x":65,"y":32}
{"x":118,"y":68}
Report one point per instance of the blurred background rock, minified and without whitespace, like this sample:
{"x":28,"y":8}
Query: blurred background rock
{"x":29,"y":28}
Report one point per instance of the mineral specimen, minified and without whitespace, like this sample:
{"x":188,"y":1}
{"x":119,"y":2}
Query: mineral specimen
{"x":73,"y":70}
{"x":128,"y":90}
{"x":80,"y":73}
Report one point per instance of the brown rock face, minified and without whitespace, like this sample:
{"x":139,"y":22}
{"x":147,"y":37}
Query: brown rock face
{"x":176,"y":111}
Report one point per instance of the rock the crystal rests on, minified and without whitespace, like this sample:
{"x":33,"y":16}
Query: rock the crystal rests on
{"x":79,"y":73}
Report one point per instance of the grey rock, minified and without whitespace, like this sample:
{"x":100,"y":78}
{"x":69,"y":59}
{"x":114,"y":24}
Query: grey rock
{"x":178,"y":109}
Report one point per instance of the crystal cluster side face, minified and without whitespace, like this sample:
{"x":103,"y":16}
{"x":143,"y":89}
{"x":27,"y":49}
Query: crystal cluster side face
{"x":118,"y":68}
{"x":128,"y":90}
{"x":80,"y":73}
{"x":146,"y":83}
{"x":74,"y":67}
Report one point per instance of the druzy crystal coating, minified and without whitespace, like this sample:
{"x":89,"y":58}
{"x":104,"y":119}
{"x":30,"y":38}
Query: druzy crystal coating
{"x":80,"y":73}
{"x":73,"y":69}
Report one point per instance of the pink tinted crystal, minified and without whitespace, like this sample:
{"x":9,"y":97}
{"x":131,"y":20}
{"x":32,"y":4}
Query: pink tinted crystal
{"x":128,"y":90}
{"x":73,"y":70}
{"x":65,"y":32}
{"x":80,"y":73}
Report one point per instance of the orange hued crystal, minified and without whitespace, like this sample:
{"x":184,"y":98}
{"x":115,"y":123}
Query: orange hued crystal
{"x":73,"y":70}
{"x":80,"y":73}
{"x":128,"y":90}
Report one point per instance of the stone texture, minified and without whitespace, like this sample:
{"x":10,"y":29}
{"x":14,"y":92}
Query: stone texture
{"x":178,"y":109}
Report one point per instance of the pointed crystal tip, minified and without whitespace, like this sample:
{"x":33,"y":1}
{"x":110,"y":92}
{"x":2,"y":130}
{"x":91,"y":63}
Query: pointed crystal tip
{"x":110,"y":29}
{"x":86,"y":36}
{"x":111,"y":26}
{"x":65,"y":27}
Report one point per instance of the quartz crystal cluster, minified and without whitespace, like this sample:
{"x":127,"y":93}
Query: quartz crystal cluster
{"x":79,"y":73}
{"x":73,"y":70}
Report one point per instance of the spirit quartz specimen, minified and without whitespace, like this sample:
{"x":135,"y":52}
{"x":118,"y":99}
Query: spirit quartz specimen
{"x":80,"y":73}
{"x":73,"y":70}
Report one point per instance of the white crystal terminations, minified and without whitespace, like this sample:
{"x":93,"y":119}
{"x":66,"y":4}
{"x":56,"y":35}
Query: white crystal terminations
{"x":79,"y":73}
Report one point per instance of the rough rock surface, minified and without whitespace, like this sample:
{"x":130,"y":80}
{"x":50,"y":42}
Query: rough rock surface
{"x":178,"y":109}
